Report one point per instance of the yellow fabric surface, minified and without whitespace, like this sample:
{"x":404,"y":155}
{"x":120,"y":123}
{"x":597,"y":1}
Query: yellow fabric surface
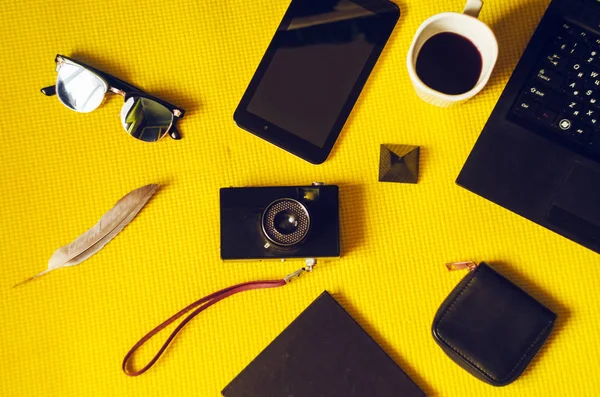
{"x":66,"y":334}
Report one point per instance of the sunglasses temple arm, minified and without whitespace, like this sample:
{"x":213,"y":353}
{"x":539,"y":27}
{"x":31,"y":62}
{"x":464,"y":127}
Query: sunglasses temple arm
{"x":49,"y":91}
{"x":174,"y":134}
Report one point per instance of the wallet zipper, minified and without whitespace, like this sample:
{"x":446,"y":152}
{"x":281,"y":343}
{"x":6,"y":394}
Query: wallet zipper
{"x":470,"y":265}
{"x":457,"y":266}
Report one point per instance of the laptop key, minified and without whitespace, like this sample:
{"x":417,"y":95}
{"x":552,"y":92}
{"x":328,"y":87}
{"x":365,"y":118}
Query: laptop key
{"x":582,"y":134}
{"x":591,"y":57}
{"x":590,"y":116}
{"x":526,"y":106}
{"x":578,"y":50}
{"x":550,"y":77}
{"x":554,"y":55}
{"x":554,"y":61}
{"x":545,"y":95}
{"x":588,"y":94}
{"x":546,"y":116}
{"x":592,"y":97}
{"x":574,"y":88}
{"x":568,"y":28}
{"x":560,"y":46}
{"x":565,"y":124}
{"x":575,"y":67}
{"x":577,"y":75}
{"x":592,"y":74}
{"x":574,"y":108}
{"x":593,"y":84}
{"x":582,"y":35}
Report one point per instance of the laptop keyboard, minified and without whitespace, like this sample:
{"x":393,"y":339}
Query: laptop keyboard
{"x":562,"y":95}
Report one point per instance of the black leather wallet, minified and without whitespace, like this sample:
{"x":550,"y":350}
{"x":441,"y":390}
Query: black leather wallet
{"x":491,"y":327}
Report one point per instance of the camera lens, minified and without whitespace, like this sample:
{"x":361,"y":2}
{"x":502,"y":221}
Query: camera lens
{"x":286,"y":222}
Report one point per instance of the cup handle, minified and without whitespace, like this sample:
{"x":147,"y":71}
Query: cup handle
{"x":473,"y":8}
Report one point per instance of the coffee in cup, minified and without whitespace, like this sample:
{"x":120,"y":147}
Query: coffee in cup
{"x":452,"y":56}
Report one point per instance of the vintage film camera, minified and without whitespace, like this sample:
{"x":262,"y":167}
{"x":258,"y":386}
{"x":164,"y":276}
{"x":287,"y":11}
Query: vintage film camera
{"x":280,"y":222}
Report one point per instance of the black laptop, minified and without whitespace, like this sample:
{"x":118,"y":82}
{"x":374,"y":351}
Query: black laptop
{"x":539,"y":153}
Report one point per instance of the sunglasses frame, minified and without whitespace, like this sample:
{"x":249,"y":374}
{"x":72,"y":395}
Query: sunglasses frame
{"x":120,"y":87}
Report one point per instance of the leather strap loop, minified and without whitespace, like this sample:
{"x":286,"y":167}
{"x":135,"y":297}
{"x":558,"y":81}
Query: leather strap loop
{"x":199,"y":306}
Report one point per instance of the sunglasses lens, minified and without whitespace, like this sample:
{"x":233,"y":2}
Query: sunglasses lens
{"x":79,"y":89}
{"x":145,"y":119}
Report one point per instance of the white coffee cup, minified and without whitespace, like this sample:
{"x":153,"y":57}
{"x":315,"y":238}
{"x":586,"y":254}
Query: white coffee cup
{"x":466,"y":25}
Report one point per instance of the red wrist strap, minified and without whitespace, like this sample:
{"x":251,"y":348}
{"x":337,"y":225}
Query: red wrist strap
{"x":200,"y":305}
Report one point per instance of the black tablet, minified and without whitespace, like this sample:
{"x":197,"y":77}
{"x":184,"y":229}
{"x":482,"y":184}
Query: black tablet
{"x":313,"y":72}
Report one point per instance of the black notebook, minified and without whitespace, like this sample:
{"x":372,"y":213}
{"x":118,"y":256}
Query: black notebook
{"x":323,"y":353}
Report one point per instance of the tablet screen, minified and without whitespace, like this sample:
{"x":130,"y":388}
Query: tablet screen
{"x":316,"y":61}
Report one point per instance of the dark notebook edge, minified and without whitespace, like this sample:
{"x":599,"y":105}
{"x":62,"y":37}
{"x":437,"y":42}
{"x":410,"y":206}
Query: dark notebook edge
{"x":298,"y":318}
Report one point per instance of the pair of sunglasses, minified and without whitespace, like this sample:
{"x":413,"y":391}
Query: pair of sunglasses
{"x":82,"y":88}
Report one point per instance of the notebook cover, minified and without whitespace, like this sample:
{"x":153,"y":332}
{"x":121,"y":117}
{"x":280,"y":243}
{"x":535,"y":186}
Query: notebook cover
{"x":323,"y":353}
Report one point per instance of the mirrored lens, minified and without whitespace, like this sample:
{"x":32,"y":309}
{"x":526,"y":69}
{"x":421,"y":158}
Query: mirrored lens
{"x":79,"y":89}
{"x":286,"y":222}
{"x":145,"y":119}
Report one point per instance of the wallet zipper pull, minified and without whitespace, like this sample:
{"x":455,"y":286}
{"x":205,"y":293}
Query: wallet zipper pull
{"x":470,"y":265}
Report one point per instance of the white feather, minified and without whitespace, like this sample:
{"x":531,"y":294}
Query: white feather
{"x":92,"y":241}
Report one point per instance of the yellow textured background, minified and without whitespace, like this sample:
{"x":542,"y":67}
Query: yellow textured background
{"x":67,"y":333}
